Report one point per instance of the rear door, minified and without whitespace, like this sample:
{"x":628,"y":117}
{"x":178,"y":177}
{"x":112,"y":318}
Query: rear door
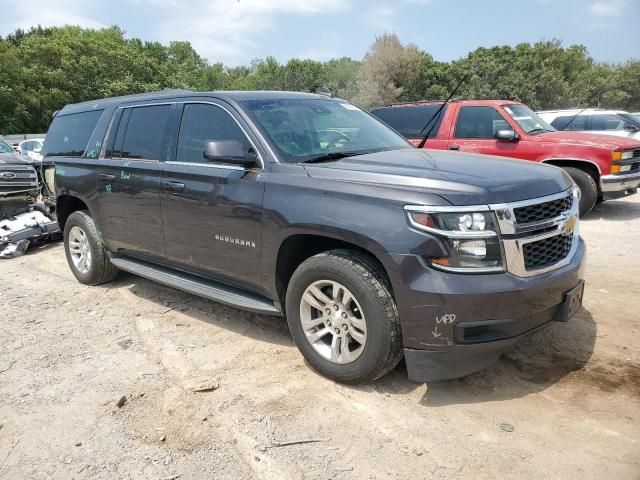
{"x":475,"y":130}
{"x":212,"y":211}
{"x":129,"y":181}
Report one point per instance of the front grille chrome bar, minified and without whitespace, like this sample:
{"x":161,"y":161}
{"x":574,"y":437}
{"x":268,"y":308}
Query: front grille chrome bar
{"x":515,"y":236}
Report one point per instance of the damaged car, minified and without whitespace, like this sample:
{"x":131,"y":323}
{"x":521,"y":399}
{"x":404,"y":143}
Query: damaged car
{"x":27,"y":217}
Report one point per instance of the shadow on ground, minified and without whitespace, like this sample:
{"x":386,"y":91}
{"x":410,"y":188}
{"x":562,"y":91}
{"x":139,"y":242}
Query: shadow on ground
{"x":538,"y":362}
{"x":263,"y":328}
{"x":614,"y":210}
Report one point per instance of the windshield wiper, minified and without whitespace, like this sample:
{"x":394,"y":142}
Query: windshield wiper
{"x":541,"y":130}
{"x":330,"y":157}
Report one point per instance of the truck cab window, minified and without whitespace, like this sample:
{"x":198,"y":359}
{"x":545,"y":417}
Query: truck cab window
{"x":145,"y":131}
{"x":411,"y":120}
{"x":202,"y":123}
{"x":479,"y":122}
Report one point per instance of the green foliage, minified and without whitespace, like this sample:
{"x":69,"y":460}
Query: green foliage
{"x":43,"y":69}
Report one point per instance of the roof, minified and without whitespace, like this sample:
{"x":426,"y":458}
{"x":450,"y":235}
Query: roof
{"x":583,"y":111}
{"x":236,"y":96}
{"x":463,"y":102}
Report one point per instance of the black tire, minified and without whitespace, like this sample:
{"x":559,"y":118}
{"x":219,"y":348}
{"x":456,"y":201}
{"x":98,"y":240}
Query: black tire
{"x":588,"y":188}
{"x":100,"y":268}
{"x":366,"y":280}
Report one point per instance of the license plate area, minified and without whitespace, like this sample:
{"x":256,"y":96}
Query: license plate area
{"x":571,"y":303}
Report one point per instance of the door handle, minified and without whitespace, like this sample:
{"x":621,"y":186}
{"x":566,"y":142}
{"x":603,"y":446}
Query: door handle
{"x":173,"y":187}
{"x":107,"y":178}
{"x":454,"y":147}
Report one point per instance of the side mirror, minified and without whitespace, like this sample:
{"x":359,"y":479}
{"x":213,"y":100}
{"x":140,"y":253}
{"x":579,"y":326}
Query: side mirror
{"x":508,"y":135}
{"x":231,"y":152}
{"x":629,"y":127}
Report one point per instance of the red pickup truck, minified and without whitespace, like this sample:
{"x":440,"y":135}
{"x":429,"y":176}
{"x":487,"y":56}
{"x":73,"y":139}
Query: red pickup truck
{"x":602,"y":166}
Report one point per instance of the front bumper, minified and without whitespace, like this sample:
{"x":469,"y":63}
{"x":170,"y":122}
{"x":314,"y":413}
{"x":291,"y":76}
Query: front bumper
{"x":616,"y":186}
{"x":454,"y":324}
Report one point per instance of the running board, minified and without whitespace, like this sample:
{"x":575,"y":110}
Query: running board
{"x":198,"y":286}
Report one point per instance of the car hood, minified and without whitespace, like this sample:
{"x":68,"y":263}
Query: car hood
{"x":460,"y":178}
{"x":588,"y":139}
{"x":14,"y":159}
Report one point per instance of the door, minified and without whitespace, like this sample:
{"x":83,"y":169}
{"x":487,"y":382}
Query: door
{"x":475,"y":131}
{"x":212,"y":211}
{"x":129,"y":180}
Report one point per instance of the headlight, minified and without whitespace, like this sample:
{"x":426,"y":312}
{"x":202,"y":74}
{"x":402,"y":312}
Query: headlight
{"x":471,"y":238}
{"x":621,"y":155}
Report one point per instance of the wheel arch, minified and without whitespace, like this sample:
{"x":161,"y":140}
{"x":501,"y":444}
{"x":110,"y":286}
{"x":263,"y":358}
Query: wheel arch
{"x":588,"y":166}
{"x":299,"y":246}
{"x":66,"y":205}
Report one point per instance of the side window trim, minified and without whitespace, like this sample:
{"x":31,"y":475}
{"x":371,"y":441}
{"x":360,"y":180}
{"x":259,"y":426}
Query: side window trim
{"x":180,"y":106}
{"x":123,"y":121}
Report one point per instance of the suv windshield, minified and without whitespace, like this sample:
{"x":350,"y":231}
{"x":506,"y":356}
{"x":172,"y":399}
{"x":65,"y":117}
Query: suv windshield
{"x":528,"y":120}
{"x":5,"y":147}
{"x":305,"y":129}
{"x":631,"y":118}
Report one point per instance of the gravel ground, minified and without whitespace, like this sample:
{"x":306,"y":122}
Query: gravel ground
{"x":135,"y":380}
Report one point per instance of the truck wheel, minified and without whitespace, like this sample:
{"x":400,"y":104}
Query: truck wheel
{"x":85,"y":251}
{"x":343,"y":317}
{"x":587,"y":186}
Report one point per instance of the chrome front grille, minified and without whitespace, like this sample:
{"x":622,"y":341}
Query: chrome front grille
{"x":17,"y":178}
{"x":547,"y":252}
{"x":542,"y":211}
{"x":541,"y":234}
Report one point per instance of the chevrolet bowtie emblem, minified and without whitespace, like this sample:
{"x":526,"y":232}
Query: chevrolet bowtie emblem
{"x":570,"y":224}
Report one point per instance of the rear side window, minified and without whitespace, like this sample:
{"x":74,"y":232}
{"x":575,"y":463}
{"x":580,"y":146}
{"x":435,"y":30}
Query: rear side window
{"x":68,"y":135}
{"x":479,"y":122}
{"x":202,"y":123}
{"x":566,"y":123}
{"x":410,"y":120}
{"x":145,"y":132}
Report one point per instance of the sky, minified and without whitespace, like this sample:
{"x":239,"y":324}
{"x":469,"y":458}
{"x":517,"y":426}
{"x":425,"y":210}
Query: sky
{"x":236,"y":31}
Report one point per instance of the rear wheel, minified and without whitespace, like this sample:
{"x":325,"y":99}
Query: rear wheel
{"x":86,"y":254}
{"x":588,"y":188}
{"x":343,"y":317}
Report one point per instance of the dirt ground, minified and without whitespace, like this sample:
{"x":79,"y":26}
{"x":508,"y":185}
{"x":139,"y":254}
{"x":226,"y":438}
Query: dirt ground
{"x":565,"y":404}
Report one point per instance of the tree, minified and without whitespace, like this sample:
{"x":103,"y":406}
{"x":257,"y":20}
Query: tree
{"x":388,"y":70}
{"x":43,"y":69}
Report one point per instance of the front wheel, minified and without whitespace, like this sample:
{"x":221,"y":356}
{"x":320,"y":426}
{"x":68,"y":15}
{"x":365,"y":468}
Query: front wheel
{"x":86,"y":254}
{"x":343,"y":317}
{"x":588,"y":188}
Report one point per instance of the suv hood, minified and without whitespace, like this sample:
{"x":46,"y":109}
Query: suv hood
{"x":588,"y":139}
{"x":14,"y":159}
{"x":460,"y":178}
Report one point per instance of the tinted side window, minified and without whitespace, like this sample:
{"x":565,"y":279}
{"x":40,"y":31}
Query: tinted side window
{"x":145,"y":132}
{"x":578,"y":124}
{"x":606,"y":122}
{"x":479,"y":122}
{"x":202,"y":123}
{"x":411,"y":119}
{"x":68,"y":135}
